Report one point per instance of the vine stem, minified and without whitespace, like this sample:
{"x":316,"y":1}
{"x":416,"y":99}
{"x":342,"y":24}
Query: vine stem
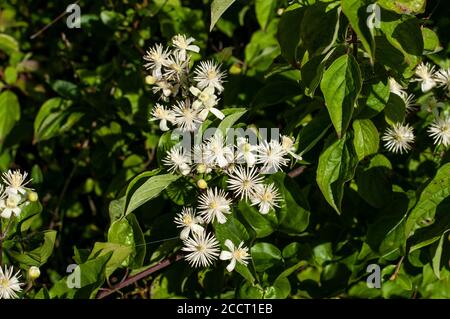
{"x":163,"y":264}
{"x":3,"y":236}
{"x":296,"y":172}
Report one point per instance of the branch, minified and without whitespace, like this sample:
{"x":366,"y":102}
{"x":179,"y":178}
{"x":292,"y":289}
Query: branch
{"x":163,"y":264}
{"x":296,"y":172}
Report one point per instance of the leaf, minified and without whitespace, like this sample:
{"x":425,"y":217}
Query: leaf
{"x":313,"y":132}
{"x":280,"y":289}
{"x":432,"y":195}
{"x":265,"y":256}
{"x":38,"y":256}
{"x":404,"y":6}
{"x":395,"y":110}
{"x":436,"y":261}
{"x":430,"y":41}
{"x":263,"y":225}
{"x":337,"y":165}
{"x":275,"y":92}
{"x":264,"y":10}
{"x":218,"y":7}
{"x":366,"y":139}
{"x":356,"y":13}
{"x":149,"y":190}
{"x":341,"y":84}
{"x":8,"y":44}
{"x":288,"y":34}
{"x":66,"y":89}
{"x":9,"y":113}
{"x":231,"y":119}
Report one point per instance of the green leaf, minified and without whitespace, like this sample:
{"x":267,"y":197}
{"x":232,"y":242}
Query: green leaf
{"x":356,"y":13}
{"x":432,"y":195}
{"x":366,"y":139}
{"x":404,"y":6}
{"x":280,"y":289}
{"x":341,"y":84}
{"x":263,"y":225}
{"x":9,"y":113}
{"x":119,"y":254}
{"x":430,"y":41}
{"x":275,"y":92}
{"x":231,"y":119}
{"x":288,"y":34}
{"x":38,"y":256}
{"x":436,"y":261}
{"x":8,"y":44}
{"x":336,"y":166}
{"x":149,"y":190}
{"x":395,"y":110}
{"x":265,"y":256}
{"x":264,"y":10}
{"x":66,"y":89}
{"x":218,"y":7}
{"x":313,"y":132}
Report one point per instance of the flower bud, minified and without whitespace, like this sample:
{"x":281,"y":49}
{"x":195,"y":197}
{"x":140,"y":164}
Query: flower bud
{"x":150,"y":80}
{"x":33,"y":196}
{"x":202,"y":184}
{"x":201,"y":168}
{"x":34,"y":272}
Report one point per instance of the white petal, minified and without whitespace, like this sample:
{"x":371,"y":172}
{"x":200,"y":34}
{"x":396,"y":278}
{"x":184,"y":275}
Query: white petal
{"x":264,"y":208}
{"x":229,"y":244}
{"x":221,"y":218}
{"x":225,"y":255}
{"x":217,"y":113}
{"x":163,"y":125}
{"x":194,"y":90}
{"x":185,"y":233}
{"x":193,"y":48}
{"x":197,"y":229}
{"x":6,"y":213}
{"x":231,"y":266}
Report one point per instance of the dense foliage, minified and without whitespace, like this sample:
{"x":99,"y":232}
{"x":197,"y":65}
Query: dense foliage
{"x":357,"y":175}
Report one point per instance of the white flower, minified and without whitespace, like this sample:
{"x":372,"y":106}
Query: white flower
{"x":398,"y":138}
{"x":208,"y":74}
{"x":189,"y":222}
{"x":176,"y":67}
{"x":9,"y":283}
{"x":409,"y":102}
{"x":272,"y":156}
{"x":425,"y":75}
{"x":202,"y":249}
{"x":178,"y":160}
{"x":395,"y":87}
{"x":200,"y":159}
{"x":214,"y":205}
{"x":246,"y":152}
{"x":288,"y":144}
{"x":442,"y":77}
{"x":16,"y":182}
{"x":10,"y":206}
{"x":440,"y":131}
{"x":239,"y":254}
{"x":244,"y":181}
{"x":162,"y":114}
{"x":166,"y":88}
{"x":183,"y":44}
{"x":156,"y":57}
{"x":217,"y":152}
{"x":267,"y":197}
{"x":206,"y":100}
{"x":186,"y":117}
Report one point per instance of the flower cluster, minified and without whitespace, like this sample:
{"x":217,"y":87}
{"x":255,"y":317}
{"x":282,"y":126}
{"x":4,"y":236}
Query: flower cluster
{"x":244,"y":164}
{"x":15,"y":195}
{"x":399,"y":137}
{"x":9,"y":283}
{"x":192,"y":95}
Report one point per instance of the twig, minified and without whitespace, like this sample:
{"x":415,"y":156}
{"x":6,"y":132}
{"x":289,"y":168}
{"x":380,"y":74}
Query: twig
{"x":165,"y":263}
{"x":51,"y":23}
{"x":397,"y":269}
{"x":296,"y":172}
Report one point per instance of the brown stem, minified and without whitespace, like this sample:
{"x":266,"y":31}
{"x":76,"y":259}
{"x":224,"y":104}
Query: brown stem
{"x":296,"y":172}
{"x":163,"y":264}
{"x":397,"y":269}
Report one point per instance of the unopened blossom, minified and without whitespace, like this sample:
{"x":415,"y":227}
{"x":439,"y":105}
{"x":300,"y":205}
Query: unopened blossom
{"x":235,"y":254}
{"x":398,"y":138}
{"x":9,"y":283}
{"x":186,"y":117}
{"x":183,"y":44}
{"x":266,"y":197}
{"x":425,"y":75}
{"x":213,"y":205}
{"x":217,"y":152}
{"x":188,"y":220}
{"x":439,"y":130}
{"x":246,"y":151}
{"x":244,"y":181}
{"x":272,"y":156}
{"x":162,"y":114}
{"x":202,"y":249}
{"x":178,"y":160}
{"x":157,"y":57}
{"x":206,"y":102}
{"x":208,"y":74}
{"x":16,"y":182}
